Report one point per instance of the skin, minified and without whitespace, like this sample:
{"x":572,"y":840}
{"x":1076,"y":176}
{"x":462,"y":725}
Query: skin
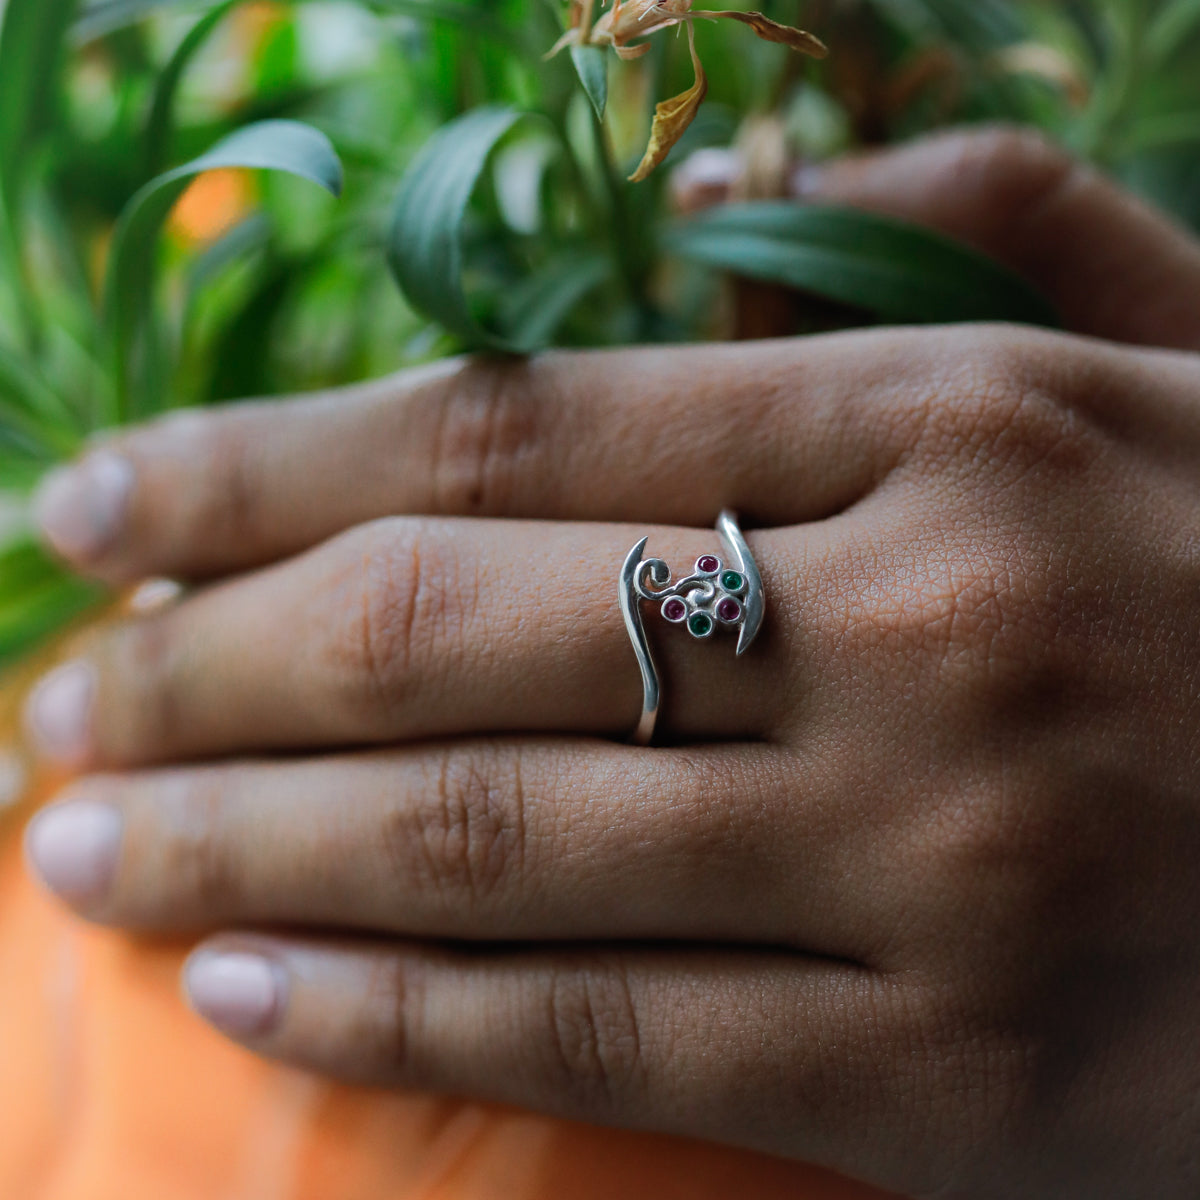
{"x":911,"y":891}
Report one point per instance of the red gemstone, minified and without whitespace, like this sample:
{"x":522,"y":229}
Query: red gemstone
{"x":674,"y":610}
{"x":729,"y":610}
{"x":709,"y":565}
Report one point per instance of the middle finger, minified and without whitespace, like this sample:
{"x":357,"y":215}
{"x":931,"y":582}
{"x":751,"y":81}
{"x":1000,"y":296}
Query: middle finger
{"x":404,"y":629}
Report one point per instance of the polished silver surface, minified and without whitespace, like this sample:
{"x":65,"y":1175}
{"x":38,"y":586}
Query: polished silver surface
{"x":756,"y":604}
{"x":716,"y":596}
{"x":651,"y":685}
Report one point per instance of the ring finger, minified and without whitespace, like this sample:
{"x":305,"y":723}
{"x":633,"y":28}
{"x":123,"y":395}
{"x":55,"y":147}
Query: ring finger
{"x":408,"y":629}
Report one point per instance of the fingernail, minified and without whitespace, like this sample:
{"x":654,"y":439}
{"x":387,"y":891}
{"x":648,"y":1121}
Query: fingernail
{"x":82,"y":509}
{"x":73,"y":848}
{"x":807,"y":181}
{"x":241,"y":994}
{"x":153,"y":596}
{"x":58,"y":715}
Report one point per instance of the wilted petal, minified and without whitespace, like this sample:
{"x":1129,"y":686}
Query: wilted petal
{"x":672,"y":118}
{"x":633,"y":19}
{"x":637,"y":18}
{"x":771,"y":31}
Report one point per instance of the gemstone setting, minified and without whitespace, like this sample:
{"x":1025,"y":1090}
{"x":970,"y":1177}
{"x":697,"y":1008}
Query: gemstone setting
{"x":712,"y":599}
{"x":674,"y":610}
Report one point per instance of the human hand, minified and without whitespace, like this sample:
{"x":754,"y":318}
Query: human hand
{"x":911,"y":893}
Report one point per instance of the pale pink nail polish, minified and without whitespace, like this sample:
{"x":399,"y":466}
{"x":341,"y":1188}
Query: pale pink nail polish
{"x":242,"y":994}
{"x":82,"y":509}
{"x":73,"y":848}
{"x":58,"y":715}
{"x":807,"y":181}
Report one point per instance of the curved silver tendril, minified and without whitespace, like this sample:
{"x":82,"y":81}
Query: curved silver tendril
{"x":651,"y":685}
{"x":699,"y":587}
{"x":714,"y":596}
{"x":756,"y":604}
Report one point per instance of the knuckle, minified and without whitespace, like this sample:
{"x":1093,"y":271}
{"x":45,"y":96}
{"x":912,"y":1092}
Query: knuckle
{"x":1000,"y":404}
{"x":489,"y":430}
{"x":462,"y":837}
{"x":996,"y":836}
{"x":386,"y":1027}
{"x":595,"y":1033}
{"x":399,"y":608}
{"x":981,"y":612}
{"x":975,"y":1072}
{"x":197,"y":861}
{"x":1022,"y":163}
{"x":140,"y":711}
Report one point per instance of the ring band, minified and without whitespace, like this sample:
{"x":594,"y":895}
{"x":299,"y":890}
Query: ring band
{"x":717,"y":595}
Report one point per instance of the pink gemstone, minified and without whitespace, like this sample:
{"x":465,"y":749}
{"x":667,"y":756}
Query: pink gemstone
{"x":708,"y":565}
{"x":729,"y":610}
{"x":674,"y":610}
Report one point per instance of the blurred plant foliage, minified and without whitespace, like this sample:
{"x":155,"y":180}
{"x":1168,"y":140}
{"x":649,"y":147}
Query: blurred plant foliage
{"x":205,"y":201}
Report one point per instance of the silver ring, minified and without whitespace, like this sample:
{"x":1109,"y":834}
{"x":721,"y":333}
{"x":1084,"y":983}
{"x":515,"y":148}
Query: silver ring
{"x":718,"y":595}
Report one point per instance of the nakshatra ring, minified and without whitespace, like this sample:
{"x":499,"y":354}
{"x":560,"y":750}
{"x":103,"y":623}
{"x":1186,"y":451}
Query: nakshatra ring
{"x":722,"y":594}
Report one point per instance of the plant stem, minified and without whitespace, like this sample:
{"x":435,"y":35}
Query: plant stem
{"x":631,"y":255}
{"x":587,"y":16}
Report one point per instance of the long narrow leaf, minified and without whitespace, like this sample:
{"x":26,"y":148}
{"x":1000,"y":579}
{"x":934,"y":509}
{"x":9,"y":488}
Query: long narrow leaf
{"x":28,"y":408}
{"x":591,"y":64}
{"x":426,"y":242}
{"x":158,"y":123}
{"x":286,"y":146}
{"x":108,"y":16}
{"x":896,"y":271}
{"x":977,"y":25}
{"x":534,"y":311}
{"x":1176,"y":23}
{"x":102,"y":17}
{"x":37,"y":600}
{"x":31,"y":44}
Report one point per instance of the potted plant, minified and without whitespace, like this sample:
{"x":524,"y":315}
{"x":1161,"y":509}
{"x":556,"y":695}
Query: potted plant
{"x":201,"y":201}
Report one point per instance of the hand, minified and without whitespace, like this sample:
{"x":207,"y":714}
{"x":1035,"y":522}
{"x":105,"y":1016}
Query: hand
{"x":913,"y":890}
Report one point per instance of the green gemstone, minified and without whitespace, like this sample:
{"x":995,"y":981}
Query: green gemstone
{"x":731,"y":581}
{"x":701,"y":625}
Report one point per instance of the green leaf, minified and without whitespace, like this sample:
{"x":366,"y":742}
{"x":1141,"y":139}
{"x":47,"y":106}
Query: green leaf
{"x":534,"y":310}
{"x":37,"y":599}
{"x":976,"y":25}
{"x":32,"y":36}
{"x":1164,"y":131}
{"x":158,"y":123}
{"x":28,"y":407}
{"x":478,"y":18}
{"x":425,"y":247}
{"x":1176,"y":22}
{"x":31,"y":44}
{"x":286,"y":146}
{"x":898,"y":272}
{"x":591,"y":64}
{"x":102,"y":17}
